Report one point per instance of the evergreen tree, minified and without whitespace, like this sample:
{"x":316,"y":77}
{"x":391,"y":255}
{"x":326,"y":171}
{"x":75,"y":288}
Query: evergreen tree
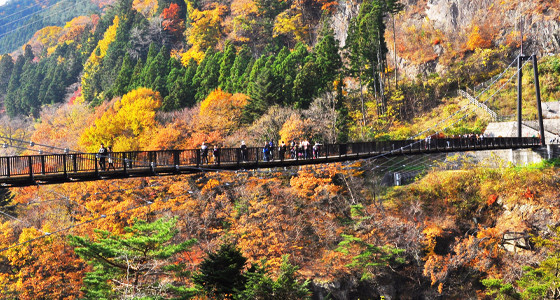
{"x":289,"y":67}
{"x":306,"y":85}
{"x":226,"y":65}
{"x":146,"y":78}
{"x":137,"y":80}
{"x":327,"y":59}
{"x":209,"y":76}
{"x":221,"y":273}
{"x":156,"y":71}
{"x":122,"y":83}
{"x":366,"y":44}
{"x":262,"y":96}
{"x":237,"y":82}
{"x":28,"y":90}
{"x":12,"y":103}
{"x":259,"y":285}
{"x":138,"y":258}
{"x":6,"y":67}
{"x":6,"y":198}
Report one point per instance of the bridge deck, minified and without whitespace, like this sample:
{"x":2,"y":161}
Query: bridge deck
{"x":73,"y":167}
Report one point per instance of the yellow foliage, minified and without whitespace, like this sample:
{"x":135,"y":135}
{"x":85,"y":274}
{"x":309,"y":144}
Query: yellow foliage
{"x":193,"y":53}
{"x":290,"y":24}
{"x":92,"y":64}
{"x":206,"y":27}
{"x":243,"y":7}
{"x":104,"y":43}
{"x":128,"y":125}
{"x":432,"y":231}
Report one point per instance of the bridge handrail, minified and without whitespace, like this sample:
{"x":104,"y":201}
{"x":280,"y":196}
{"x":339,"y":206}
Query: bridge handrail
{"x":72,"y":163}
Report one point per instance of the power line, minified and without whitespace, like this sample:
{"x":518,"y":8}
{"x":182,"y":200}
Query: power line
{"x":40,"y":20}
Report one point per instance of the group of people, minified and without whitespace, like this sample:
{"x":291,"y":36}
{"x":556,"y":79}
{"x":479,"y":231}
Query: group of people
{"x":105,"y":156}
{"x":301,"y":150}
{"x":204,"y":154}
{"x":295,"y":150}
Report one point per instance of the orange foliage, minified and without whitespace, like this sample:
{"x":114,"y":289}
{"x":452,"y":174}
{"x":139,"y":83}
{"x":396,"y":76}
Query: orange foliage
{"x":221,"y":111}
{"x":478,"y":39}
{"x":60,"y":126}
{"x":491,"y":199}
{"x":295,"y":128}
{"x":172,"y":21}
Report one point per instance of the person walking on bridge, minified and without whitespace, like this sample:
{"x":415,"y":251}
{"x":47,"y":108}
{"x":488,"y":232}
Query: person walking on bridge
{"x":110,"y":158}
{"x":203,"y":153}
{"x":102,"y":153}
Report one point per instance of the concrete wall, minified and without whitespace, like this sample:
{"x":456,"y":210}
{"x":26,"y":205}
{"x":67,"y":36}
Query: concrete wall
{"x":517,"y":157}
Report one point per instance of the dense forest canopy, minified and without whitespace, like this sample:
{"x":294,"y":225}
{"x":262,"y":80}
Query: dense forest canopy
{"x":171,"y":74}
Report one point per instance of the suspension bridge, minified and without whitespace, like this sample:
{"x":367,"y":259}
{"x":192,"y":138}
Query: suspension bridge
{"x":73,"y":166}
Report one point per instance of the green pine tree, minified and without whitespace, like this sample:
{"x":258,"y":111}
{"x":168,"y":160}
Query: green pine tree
{"x":6,"y":67}
{"x":226,"y":65}
{"x":139,"y":258}
{"x":237,"y":82}
{"x":122,"y":82}
{"x":220,"y":275}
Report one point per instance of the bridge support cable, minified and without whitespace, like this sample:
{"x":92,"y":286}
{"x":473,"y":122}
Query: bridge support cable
{"x":434,"y":128}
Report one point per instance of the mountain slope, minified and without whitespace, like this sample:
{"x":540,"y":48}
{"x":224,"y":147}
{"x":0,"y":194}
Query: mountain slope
{"x":19,"y":20}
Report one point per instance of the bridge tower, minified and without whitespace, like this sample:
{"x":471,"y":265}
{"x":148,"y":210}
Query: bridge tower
{"x":520,"y":60}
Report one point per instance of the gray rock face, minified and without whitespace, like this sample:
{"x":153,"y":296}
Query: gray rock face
{"x":347,"y":9}
{"x":500,"y":21}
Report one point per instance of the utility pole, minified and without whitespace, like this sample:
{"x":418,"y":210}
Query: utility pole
{"x":519,"y":84}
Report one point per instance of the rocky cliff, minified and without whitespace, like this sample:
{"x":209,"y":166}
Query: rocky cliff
{"x":431,"y":34}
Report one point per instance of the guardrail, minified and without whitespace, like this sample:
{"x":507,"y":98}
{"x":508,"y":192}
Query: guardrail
{"x":67,"y":167}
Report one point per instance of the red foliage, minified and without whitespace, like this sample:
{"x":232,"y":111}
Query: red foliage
{"x":171,"y":20}
{"x":491,"y":199}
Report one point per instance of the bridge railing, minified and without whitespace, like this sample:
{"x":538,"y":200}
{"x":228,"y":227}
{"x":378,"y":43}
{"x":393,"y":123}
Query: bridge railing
{"x":90,"y":162}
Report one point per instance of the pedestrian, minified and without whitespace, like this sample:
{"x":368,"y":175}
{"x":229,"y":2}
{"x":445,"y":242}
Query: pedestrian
{"x":216,"y":154}
{"x":243,"y":151}
{"x":282,"y":150}
{"x":316,"y":149}
{"x":102,"y":156}
{"x":110,"y":158}
{"x":203,"y":153}
{"x":271,"y":148}
{"x":266,"y":152}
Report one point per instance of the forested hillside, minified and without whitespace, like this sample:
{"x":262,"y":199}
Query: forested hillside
{"x":19,"y":20}
{"x":172,"y":74}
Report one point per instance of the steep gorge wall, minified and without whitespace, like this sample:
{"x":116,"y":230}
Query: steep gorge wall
{"x":431,"y":34}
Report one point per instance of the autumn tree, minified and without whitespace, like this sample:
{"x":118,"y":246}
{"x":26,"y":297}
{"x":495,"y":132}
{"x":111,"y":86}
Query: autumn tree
{"x":204,"y":32}
{"x":127,"y":124}
{"x":172,"y":20}
{"x":47,"y":268}
{"x":132,"y":263}
{"x":221,"y":111}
